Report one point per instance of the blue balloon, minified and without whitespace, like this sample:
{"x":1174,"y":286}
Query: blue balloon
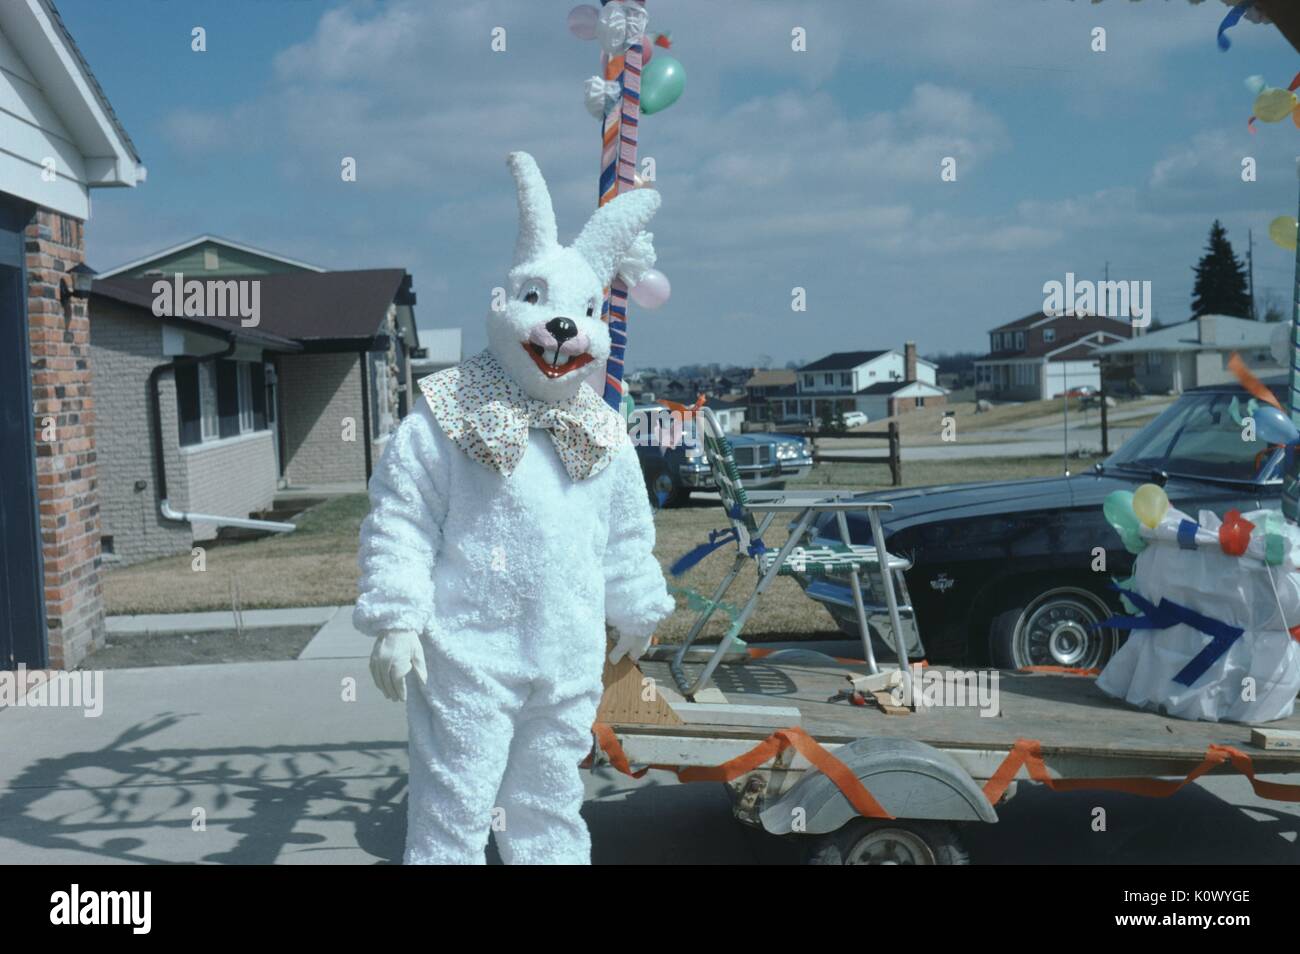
{"x":1274,"y":427}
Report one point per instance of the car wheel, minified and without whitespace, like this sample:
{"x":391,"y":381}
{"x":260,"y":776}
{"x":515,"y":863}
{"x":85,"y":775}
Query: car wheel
{"x":663,"y":488}
{"x":1055,"y":627}
{"x":866,"y":841}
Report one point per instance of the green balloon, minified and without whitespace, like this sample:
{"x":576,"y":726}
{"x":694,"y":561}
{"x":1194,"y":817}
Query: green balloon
{"x":662,"y":82}
{"x":1118,"y":508}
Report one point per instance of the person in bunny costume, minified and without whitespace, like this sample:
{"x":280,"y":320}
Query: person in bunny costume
{"x":509,"y":521}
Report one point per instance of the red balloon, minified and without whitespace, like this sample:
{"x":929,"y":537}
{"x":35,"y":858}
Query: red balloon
{"x":1234,"y":534}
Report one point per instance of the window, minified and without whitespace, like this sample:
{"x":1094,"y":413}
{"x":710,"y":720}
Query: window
{"x":1020,"y":341}
{"x":807,"y":380}
{"x":1153,"y":360}
{"x":245,"y":397}
{"x":1049,"y":335}
{"x":828,"y":379}
{"x":920,"y":401}
{"x":209,"y":423}
{"x":216,"y":399}
{"x":846,"y":379}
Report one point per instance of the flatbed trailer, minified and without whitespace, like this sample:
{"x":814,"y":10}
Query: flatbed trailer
{"x":926,"y":771}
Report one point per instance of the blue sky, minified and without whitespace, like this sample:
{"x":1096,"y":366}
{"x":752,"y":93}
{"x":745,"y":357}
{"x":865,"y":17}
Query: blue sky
{"x":778,"y":169}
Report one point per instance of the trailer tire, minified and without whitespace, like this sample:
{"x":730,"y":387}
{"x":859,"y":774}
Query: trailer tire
{"x":885,"y":842}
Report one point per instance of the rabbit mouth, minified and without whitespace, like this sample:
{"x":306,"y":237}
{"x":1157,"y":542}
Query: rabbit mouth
{"x":554,"y":364}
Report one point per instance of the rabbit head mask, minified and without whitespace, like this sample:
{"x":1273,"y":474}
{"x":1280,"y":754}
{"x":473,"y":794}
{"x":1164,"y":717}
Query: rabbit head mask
{"x":549,"y":329}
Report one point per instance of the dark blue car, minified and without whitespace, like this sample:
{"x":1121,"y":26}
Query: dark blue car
{"x":1004,"y":573}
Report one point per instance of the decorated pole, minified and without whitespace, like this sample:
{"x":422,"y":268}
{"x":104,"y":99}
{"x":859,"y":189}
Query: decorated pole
{"x":1291,"y":481}
{"x":618,"y":145}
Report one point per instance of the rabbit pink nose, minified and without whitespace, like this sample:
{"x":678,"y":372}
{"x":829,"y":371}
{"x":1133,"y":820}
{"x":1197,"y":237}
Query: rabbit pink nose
{"x":542,"y":335}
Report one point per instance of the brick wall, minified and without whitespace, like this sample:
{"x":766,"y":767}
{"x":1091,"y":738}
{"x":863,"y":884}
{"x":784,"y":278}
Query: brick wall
{"x":317,"y":391}
{"x":232,"y":478}
{"x":66,"y":465}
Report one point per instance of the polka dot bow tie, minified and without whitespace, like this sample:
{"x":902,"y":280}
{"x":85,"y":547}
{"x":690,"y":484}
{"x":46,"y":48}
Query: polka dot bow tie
{"x":487,"y":415}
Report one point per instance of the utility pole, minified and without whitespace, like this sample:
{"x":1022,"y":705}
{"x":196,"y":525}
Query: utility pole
{"x":1250,"y":262}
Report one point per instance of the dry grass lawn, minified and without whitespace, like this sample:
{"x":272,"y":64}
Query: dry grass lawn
{"x":316,"y":564}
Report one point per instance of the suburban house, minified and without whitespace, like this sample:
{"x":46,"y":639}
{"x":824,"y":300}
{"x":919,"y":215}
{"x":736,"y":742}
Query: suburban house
{"x":765,"y":384}
{"x":1189,"y":354}
{"x":729,"y":412}
{"x":1039,"y":357}
{"x":880,"y":384}
{"x":59,"y":138}
{"x":206,"y":415}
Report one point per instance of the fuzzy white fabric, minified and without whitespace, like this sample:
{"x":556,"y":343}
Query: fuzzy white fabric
{"x":510,"y":577}
{"x":509,"y":580}
{"x":1244,"y":592}
{"x":569,"y":280}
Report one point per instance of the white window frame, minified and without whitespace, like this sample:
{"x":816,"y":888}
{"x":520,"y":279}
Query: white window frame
{"x":209,"y":416}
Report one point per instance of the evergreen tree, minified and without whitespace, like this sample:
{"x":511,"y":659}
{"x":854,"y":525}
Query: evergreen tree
{"x":1220,"y":287}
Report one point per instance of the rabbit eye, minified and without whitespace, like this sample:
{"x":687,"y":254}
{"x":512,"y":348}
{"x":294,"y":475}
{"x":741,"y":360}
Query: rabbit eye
{"x":533,"y":292}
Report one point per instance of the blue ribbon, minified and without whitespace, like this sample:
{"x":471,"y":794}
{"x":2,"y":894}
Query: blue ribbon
{"x":1235,"y":14}
{"x":717,"y":538}
{"x":1168,"y":614}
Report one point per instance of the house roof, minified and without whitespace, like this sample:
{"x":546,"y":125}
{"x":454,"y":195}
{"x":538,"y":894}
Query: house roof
{"x":200,"y":240}
{"x":53,"y":73}
{"x":1224,"y":332}
{"x":770,"y":378}
{"x":303,"y":307}
{"x":889,"y":387}
{"x":57,"y":20}
{"x":842,"y":360}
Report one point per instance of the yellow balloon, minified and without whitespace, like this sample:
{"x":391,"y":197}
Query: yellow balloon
{"x":1150,"y":504}
{"x":1274,"y":105}
{"x":1282,"y":230}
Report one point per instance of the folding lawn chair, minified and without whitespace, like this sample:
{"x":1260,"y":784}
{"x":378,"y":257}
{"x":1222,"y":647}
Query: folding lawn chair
{"x":796,"y":555}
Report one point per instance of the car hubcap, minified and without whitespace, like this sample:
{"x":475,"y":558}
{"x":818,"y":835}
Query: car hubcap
{"x":1058,"y":630}
{"x":890,"y":846}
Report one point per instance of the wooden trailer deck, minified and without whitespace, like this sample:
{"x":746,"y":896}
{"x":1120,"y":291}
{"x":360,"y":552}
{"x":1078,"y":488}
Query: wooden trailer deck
{"x":1083,"y":732}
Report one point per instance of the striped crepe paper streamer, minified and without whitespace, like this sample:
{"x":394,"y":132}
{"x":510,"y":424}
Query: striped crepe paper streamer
{"x":1291,"y":480}
{"x":617,"y":175}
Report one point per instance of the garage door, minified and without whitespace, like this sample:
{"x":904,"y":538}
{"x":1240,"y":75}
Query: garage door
{"x":22,"y":608}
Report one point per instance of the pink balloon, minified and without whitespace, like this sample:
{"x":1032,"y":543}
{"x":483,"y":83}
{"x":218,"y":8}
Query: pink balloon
{"x":648,"y":51}
{"x":582,"y":21}
{"x":652,"y":290}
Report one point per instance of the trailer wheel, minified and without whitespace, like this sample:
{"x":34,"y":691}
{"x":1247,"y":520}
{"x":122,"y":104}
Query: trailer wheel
{"x":866,"y":841}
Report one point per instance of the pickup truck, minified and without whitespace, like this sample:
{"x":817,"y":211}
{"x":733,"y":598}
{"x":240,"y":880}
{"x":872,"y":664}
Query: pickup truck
{"x":765,"y":461}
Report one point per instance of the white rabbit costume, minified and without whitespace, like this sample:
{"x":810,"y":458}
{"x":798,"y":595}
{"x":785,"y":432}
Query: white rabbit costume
{"x":509,"y":520}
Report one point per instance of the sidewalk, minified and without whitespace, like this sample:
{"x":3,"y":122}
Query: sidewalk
{"x":303,"y":762}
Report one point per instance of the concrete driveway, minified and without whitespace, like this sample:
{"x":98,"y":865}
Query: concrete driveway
{"x":303,"y":762}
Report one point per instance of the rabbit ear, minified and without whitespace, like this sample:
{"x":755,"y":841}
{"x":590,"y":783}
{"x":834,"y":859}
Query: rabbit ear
{"x":537,"y":232}
{"x":609,"y":233}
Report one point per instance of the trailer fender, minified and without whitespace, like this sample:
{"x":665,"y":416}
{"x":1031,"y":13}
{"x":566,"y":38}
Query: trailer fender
{"x":908,"y":778}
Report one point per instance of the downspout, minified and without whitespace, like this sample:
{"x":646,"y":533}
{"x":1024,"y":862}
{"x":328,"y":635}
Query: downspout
{"x":365,"y":405}
{"x":160,"y":466}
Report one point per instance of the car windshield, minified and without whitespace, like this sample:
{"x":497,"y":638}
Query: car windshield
{"x":1198,"y":436}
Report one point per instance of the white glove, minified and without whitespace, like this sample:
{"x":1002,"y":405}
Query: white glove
{"x":630,"y":646}
{"x":397,"y":653}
